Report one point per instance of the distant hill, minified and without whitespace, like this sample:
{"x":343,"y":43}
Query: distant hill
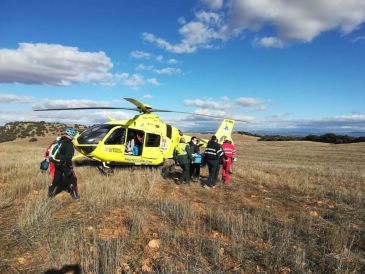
{"x":325,"y":138}
{"x":20,"y":130}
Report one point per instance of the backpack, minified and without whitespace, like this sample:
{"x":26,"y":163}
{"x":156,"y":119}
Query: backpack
{"x":53,"y":152}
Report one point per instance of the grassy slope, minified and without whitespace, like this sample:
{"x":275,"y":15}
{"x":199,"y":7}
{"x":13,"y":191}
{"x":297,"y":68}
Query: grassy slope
{"x":292,"y":206}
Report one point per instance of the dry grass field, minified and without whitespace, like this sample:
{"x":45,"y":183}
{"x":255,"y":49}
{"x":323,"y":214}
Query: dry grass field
{"x":292,"y":207}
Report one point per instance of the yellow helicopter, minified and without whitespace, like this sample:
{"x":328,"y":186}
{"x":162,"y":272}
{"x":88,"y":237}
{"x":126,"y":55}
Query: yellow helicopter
{"x":142,"y":140}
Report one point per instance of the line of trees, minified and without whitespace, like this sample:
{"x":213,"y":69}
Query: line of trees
{"x":325,"y":138}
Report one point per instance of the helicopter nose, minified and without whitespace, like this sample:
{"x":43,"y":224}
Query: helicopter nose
{"x":86,"y":150}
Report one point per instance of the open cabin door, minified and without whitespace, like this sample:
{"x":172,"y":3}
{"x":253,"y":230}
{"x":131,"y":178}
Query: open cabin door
{"x":151,"y":150}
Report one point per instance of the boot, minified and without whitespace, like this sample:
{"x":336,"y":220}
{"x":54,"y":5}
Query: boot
{"x":74,"y":193}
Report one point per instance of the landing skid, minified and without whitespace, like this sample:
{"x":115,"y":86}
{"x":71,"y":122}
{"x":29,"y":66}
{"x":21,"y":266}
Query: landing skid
{"x":105,"y":169}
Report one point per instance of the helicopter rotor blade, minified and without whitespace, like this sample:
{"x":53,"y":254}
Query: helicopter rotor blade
{"x":138,"y":104}
{"x":140,"y":108}
{"x":85,"y":108}
{"x":196,"y":114}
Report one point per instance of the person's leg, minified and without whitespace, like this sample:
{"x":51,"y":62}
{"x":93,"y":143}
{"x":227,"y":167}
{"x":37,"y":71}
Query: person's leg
{"x":187,"y":173}
{"x":210,"y":170}
{"x":228,"y":166}
{"x":217,"y":169}
{"x":196,"y":171}
{"x":212,"y":166}
{"x":52,"y":170}
{"x":182,"y":175}
{"x":74,"y":191}
{"x":224,"y":168}
{"x":56,"y":186}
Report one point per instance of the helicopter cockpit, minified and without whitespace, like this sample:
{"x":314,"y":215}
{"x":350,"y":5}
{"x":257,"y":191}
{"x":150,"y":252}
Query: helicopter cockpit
{"x":94,"y":134}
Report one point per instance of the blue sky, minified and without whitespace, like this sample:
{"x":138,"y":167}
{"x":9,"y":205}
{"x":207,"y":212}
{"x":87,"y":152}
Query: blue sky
{"x":280,"y":65}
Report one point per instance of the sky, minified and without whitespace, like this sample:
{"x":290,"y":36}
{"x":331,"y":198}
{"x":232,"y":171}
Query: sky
{"x":277,"y":65}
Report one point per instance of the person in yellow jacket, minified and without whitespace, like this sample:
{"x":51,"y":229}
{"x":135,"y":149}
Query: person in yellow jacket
{"x":183,"y":156}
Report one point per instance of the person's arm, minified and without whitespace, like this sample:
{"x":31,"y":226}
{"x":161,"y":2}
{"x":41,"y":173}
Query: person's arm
{"x":130,"y":145}
{"x":46,"y":152}
{"x":220,"y":152}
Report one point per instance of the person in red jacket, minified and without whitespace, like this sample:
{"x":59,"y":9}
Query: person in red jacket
{"x":229,"y":150}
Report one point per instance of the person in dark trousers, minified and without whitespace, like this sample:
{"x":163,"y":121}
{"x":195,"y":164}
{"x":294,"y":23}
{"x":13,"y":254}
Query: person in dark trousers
{"x":183,"y":156}
{"x":212,"y":155}
{"x":64,"y":177}
{"x":195,"y":150}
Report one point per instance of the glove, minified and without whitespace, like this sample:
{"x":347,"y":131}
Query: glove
{"x":234,"y":159}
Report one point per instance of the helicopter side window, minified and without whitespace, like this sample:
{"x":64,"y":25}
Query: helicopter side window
{"x":153,"y":140}
{"x":117,"y":137}
{"x":95,"y":134}
{"x":134,"y":143}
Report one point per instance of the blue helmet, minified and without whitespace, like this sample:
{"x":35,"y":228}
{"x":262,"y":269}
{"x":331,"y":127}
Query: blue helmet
{"x":71,"y":132}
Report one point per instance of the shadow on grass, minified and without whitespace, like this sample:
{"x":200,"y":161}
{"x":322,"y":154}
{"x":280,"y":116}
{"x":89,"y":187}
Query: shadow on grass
{"x":74,"y":269}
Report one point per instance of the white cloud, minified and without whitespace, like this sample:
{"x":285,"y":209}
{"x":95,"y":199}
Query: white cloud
{"x":226,"y":103}
{"x":209,"y":18}
{"x":212,"y":111}
{"x":194,"y":123}
{"x":159,"y":58}
{"x":133,"y":81}
{"x":248,"y":102}
{"x":53,"y":64}
{"x":358,"y":39}
{"x":269,"y":42}
{"x":147,"y":97}
{"x":162,"y":43}
{"x":350,"y":118}
{"x":172,"y":61}
{"x":198,"y":33}
{"x":294,"y":21}
{"x":153,"y":81}
{"x":144,"y":67}
{"x":168,"y":71}
{"x":282,"y":124}
{"x":208,"y":104}
{"x":12,"y":98}
{"x":69,"y":117}
{"x":73,"y":103}
{"x":181,"y":20}
{"x":213,"y":4}
{"x":140,"y":54}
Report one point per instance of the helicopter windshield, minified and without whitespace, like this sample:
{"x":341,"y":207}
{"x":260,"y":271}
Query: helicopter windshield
{"x":94,"y":134}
